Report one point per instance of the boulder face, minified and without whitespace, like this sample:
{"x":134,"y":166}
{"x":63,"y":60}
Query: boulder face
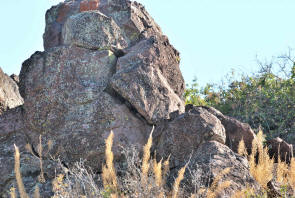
{"x":134,"y":21}
{"x":208,"y":162}
{"x":155,"y":92}
{"x":106,"y":66}
{"x":279,"y":148}
{"x":235,"y":131}
{"x":9,"y":93}
{"x":181,"y":136}
{"x":92,"y":30}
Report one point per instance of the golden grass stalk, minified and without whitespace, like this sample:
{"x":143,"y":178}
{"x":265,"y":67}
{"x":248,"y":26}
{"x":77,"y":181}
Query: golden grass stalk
{"x":215,"y":187}
{"x":12,"y":192}
{"x":263,"y":170}
{"x":220,"y":188}
{"x":28,"y":147}
{"x":20,"y":184}
{"x":166,"y":166}
{"x":40,"y":150}
{"x":177,"y":181}
{"x":291,"y":174}
{"x":108,"y":171}
{"x":37,"y":192}
{"x":242,"y":148}
{"x":282,"y":172}
{"x":246,"y":192}
{"x":157,"y":169}
{"x":145,"y":159}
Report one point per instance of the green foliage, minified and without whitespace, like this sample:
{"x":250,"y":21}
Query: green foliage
{"x":265,"y":99}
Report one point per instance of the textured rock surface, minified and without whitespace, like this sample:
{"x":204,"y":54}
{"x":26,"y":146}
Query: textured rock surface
{"x":9,"y":94}
{"x":107,"y":66}
{"x":68,"y":90}
{"x":92,"y":30}
{"x":150,"y":79}
{"x":209,"y":160}
{"x":235,"y":131}
{"x":280,"y":148}
{"x":182,"y":136}
{"x":66,"y":99}
{"x":68,"y":95}
{"x":135,"y":23}
{"x":11,"y":132}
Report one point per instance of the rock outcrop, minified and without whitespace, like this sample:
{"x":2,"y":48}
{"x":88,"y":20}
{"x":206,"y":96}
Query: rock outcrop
{"x":108,"y":67}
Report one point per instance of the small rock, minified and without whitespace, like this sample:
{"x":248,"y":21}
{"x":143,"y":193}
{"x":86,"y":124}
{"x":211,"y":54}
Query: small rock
{"x":279,"y":148}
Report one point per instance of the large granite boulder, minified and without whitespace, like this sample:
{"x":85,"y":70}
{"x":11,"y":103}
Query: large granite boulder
{"x":9,"y":94}
{"x":180,"y":137}
{"x":69,"y":91}
{"x":75,"y":91}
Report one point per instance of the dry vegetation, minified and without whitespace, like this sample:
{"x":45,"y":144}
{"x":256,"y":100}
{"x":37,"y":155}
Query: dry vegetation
{"x":147,"y":178}
{"x":264,"y":170}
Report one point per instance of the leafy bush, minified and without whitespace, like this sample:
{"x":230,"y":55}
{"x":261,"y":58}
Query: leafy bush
{"x":265,"y":99}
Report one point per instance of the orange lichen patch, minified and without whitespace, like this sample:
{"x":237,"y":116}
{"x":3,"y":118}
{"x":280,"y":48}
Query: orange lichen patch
{"x":86,"y":5}
{"x":62,"y":12}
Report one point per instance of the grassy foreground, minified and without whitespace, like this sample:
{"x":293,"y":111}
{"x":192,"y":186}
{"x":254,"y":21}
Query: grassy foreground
{"x":146,"y":177}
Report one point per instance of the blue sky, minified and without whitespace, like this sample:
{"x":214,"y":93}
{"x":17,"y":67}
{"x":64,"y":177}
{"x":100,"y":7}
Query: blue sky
{"x":212,"y":36}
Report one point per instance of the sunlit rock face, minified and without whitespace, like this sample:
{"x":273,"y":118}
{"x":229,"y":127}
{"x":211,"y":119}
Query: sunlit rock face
{"x":106,"y":67}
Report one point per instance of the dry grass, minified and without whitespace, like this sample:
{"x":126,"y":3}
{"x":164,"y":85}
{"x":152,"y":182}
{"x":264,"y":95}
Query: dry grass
{"x":262,"y":168}
{"x":177,"y":181}
{"x":81,"y":182}
{"x":40,"y":151}
{"x":108,"y":170}
{"x":291,"y":174}
{"x":12,"y":193}
{"x":19,"y":181}
{"x":216,"y":187}
{"x":145,"y":159}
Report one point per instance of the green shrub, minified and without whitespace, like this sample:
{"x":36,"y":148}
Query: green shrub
{"x":265,"y":99}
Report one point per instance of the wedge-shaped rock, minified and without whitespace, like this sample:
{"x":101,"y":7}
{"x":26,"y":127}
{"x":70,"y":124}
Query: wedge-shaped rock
{"x":149,"y":78}
{"x":235,"y":131}
{"x":183,"y":135}
{"x":92,"y":30}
